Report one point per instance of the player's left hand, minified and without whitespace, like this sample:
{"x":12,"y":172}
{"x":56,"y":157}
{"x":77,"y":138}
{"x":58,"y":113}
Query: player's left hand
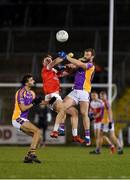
{"x":62,"y":54}
{"x":110,"y":125}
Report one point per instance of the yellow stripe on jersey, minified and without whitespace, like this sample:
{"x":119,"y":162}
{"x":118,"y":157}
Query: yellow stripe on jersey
{"x":17,"y":110}
{"x":105,"y":119}
{"x":88,"y":77}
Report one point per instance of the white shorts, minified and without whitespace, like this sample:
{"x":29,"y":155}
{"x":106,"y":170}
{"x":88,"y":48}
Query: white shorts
{"x":106,"y":129}
{"x":17,"y":123}
{"x":79,"y":95}
{"x":97,"y":125}
{"x":49,"y":96}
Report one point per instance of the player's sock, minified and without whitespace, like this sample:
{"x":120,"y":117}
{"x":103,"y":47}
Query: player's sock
{"x":97,"y":150}
{"x":120,"y":150}
{"x":56,"y":126}
{"x":61,"y":130}
{"x":62,"y":127}
{"x":87,"y":137}
{"x":112,"y":148}
{"x":87,"y":132}
{"x":74,"y":132}
{"x":31,"y":151}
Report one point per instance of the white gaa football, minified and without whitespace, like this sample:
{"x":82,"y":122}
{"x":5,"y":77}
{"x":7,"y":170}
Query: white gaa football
{"x":62,"y":36}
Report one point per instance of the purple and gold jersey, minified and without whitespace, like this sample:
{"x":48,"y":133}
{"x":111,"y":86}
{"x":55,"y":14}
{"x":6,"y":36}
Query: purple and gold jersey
{"x":83,"y":77}
{"x":22,"y":96}
{"x":106,"y":112}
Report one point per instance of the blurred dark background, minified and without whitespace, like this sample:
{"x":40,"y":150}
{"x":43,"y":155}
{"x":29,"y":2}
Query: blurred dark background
{"x":27,"y":32}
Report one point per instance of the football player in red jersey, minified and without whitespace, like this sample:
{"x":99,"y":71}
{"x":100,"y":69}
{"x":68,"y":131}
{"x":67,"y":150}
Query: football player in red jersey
{"x":51,"y":88}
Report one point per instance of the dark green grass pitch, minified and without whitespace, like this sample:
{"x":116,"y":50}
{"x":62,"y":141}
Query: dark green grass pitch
{"x":64,"y":162}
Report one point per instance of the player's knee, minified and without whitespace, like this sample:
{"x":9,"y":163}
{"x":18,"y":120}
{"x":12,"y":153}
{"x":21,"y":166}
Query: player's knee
{"x":38,"y":132}
{"x":74,"y":113}
{"x":60,"y":107}
{"x":84,"y":114}
{"x":112,"y":136}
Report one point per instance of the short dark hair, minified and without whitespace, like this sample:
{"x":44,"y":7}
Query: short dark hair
{"x":45,"y":56}
{"x":91,"y":50}
{"x":25,"y":79}
{"x":103,"y":93}
{"x":94,"y":92}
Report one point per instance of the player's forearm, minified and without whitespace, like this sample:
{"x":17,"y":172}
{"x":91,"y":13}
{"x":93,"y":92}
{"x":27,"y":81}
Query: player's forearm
{"x":64,"y":73}
{"x":98,"y":115}
{"x":110,"y":115}
{"x":74,"y":61}
{"x":25,"y":107}
{"x":77,"y":62}
{"x":55,"y":62}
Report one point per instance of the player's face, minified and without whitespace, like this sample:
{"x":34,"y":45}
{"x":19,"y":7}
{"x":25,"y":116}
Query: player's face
{"x":94,"y":96}
{"x":103,"y":96}
{"x":88,"y":54}
{"x":31,"y":82}
{"x":47,"y":60}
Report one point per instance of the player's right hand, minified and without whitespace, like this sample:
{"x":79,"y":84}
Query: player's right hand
{"x":62,"y":54}
{"x":91,"y":116}
{"x":37,"y":101}
{"x":70,"y":54}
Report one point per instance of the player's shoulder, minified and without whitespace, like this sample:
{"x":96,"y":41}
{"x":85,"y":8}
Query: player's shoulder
{"x":21,"y":91}
{"x":90,"y":65}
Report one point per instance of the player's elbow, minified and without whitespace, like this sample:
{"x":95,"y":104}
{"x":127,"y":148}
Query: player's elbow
{"x":22,"y":108}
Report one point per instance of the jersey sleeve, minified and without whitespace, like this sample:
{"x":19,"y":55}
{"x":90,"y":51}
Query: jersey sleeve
{"x":89,"y":65}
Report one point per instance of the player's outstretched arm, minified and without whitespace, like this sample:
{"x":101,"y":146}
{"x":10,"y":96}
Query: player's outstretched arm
{"x":76,"y":62}
{"x":56,"y":61}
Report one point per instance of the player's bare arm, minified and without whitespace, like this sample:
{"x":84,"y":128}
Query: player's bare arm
{"x":71,"y":66}
{"x":110,"y":114}
{"x":77,"y":62}
{"x":69,"y":69}
{"x":98,"y":114}
{"x":25,"y":107}
{"x":54,"y":62}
